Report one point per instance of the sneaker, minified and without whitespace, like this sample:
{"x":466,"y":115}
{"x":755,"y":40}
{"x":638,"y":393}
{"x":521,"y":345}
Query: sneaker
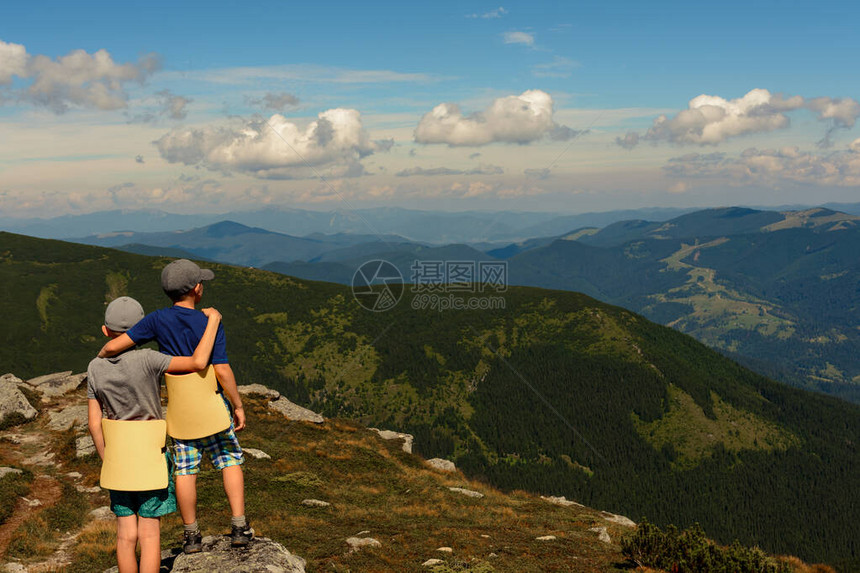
{"x":241,"y":536}
{"x":193,"y":542}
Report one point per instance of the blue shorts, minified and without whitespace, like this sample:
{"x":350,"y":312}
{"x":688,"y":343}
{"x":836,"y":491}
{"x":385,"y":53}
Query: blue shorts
{"x":153,"y":503}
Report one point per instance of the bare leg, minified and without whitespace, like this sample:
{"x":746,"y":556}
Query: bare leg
{"x":126,"y":542}
{"x":186,"y":497}
{"x":149,"y":533}
{"x":234,"y":487}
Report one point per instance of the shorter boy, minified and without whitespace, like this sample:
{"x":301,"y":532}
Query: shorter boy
{"x":126,"y":387}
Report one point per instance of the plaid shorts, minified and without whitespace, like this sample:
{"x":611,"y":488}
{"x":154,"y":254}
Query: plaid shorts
{"x":223,"y":449}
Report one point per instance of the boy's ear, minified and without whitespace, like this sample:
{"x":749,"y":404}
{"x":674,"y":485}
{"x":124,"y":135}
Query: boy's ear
{"x":105,"y":331}
{"x":198,"y":290}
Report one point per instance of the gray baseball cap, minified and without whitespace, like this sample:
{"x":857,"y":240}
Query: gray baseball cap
{"x":123,"y":313}
{"x":182,"y":275}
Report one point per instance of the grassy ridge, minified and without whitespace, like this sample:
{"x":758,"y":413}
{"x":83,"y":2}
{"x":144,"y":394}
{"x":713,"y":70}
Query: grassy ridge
{"x":555,"y":393}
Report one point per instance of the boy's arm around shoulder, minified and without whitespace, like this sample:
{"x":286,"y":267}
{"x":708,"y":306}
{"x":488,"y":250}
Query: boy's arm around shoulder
{"x":116,"y":345}
{"x":200,"y":359}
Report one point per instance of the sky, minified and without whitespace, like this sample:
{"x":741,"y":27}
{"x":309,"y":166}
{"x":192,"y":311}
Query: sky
{"x":534,"y":106}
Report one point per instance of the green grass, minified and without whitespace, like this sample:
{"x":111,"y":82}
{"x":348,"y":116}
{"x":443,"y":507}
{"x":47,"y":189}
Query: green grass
{"x":13,"y":486}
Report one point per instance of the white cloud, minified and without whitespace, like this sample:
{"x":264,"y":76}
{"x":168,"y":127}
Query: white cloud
{"x":274,"y":101}
{"x":78,"y":79}
{"x":277,"y":148}
{"x":300,"y":73}
{"x":519,"y":38}
{"x":173,"y":106}
{"x":491,"y":15}
{"x":770,"y":166}
{"x":513,"y":119}
{"x":482,"y":170}
{"x":13,"y":62}
{"x":710,"y":120}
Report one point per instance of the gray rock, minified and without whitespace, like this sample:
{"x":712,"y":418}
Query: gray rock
{"x":14,"y":403}
{"x":466,"y":492}
{"x":445,"y":549}
{"x":356,"y":543}
{"x":602,"y":535}
{"x":84,"y":446}
{"x":85,"y":489}
{"x":432,"y":562}
{"x":315,"y":503}
{"x":73,"y":416}
{"x":14,"y":568}
{"x":546,"y":538}
{"x":74,"y":475}
{"x":4,"y":471}
{"x":45,"y":458}
{"x":261,"y":556}
{"x":102,"y":513}
{"x":260,"y":390}
{"x":392,"y":435}
{"x":57,"y":384}
{"x":443,"y":465}
{"x":166,"y":563}
{"x":560,"y":501}
{"x":257,"y":454}
{"x":619,"y":519}
{"x":294,"y":412}
{"x":11,"y":379}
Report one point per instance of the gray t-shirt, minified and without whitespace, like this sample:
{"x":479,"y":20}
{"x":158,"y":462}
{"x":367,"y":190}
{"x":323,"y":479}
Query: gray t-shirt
{"x":128,"y":385}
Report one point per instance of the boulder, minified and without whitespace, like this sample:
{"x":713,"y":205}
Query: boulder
{"x":84,"y":446}
{"x":546,"y":538}
{"x":356,"y":543}
{"x":602,"y":535}
{"x":57,"y":384}
{"x":102,"y":513}
{"x":259,"y":390}
{"x":442,"y":465}
{"x":257,"y":454}
{"x":466,"y":492}
{"x":294,"y":412}
{"x":5,"y":471}
{"x":71,"y":417}
{"x":391,"y":435}
{"x":445,"y":549}
{"x":261,"y":556}
{"x":619,"y":519}
{"x":11,"y":379}
{"x":432,"y":563}
{"x":560,"y":500}
{"x":315,"y":503}
{"x":14,"y":405}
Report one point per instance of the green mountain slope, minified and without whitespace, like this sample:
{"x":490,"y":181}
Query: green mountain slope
{"x":555,"y":393}
{"x":777,"y":290}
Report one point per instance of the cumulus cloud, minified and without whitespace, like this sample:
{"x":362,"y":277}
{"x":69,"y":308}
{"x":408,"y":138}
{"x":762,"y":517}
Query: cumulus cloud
{"x":277,"y":148}
{"x":78,"y":79}
{"x":139,"y":159}
{"x":519,"y":38}
{"x":13,"y":62}
{"x":491,"y":15}
{"x":709,"y":120}
{"x":274,"y":101}
{"x":173,"y":106}
{"x":513,"y":119}
{"x":770,"y":166}
{"x":482,"y":170}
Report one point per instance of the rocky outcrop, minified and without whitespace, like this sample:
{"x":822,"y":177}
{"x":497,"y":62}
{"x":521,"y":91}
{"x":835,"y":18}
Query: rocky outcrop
{"x":466,"y":492}
{"x":560,"y":500}
{"x":392,"y":435}
{"x":261,"y":556}
{"x":259,"y":390}
{"x":602,"y":534}
{"x":14,"y":406}
{"x":442,"y":465}
{"x":71,"y":417}
{"x":5,"y":471}
{"x":357,"y":543}
{"x":618,"y":519}
{"x":56,"y":384}
{"x":84,"y":446}
{"x":293,"y":411}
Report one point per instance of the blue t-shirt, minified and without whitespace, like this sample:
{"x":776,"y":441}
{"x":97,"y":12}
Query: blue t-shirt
{"x":178,"y":330}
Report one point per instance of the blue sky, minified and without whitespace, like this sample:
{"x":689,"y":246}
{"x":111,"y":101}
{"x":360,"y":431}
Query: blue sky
{"x":550,"y":106}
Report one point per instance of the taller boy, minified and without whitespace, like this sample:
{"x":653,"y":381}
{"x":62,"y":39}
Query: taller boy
{"x":178,"y":329}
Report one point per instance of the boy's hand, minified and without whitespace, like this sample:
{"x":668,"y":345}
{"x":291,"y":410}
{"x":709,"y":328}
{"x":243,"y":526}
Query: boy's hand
{"x":211,"y":312}
{"x":239,"y":419}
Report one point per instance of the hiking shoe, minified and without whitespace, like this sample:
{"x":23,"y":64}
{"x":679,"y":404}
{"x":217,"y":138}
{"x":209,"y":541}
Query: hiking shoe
{"x":193,"y":542}
{"x":241,"y":536}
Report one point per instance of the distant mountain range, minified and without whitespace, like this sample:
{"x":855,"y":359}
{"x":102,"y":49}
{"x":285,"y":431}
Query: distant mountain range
{"x":436,"y":227}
